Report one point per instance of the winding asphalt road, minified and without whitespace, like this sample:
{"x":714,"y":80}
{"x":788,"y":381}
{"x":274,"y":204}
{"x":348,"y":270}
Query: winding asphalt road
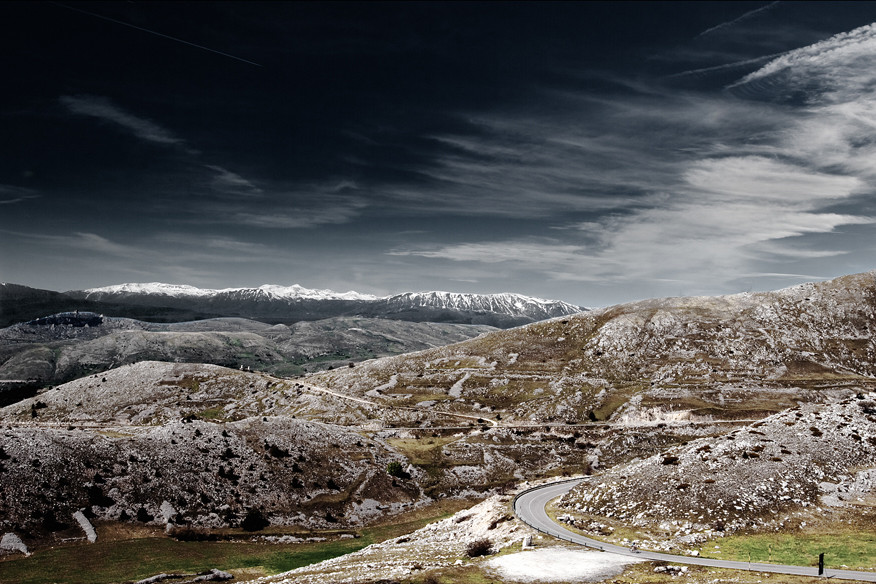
{"x":529,"y":506}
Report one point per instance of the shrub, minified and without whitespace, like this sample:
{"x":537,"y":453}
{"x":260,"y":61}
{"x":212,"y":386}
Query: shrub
{"x":480,"y":547}
{"x":395,"y":469}
{"x":144,"y":516}
{"x":868,"y":407}
{"x":189,"y":533}
{"x":254,"y":521}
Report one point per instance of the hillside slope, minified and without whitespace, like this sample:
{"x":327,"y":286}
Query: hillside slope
{"x":56,"y":349}
{"x":792,"y":467}
{"x":730,"y":357}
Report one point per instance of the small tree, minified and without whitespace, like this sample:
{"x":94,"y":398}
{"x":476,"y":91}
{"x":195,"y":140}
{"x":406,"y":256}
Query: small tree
{"x":395,"y":469}
{"x":254,"y":521}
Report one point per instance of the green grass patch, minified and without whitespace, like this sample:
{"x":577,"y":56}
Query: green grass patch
{"x":422,"y":451}
{"x":120,"y":561}
{"x":857,"y":550}
{"x":212,"y":414}
{"x":123,"y":560}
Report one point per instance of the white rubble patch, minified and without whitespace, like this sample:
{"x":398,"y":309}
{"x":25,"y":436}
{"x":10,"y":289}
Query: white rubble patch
{"x":86,"y":526}
{"x":558,"y":565}
{"x":854,"y":489}
{"x":167,"y":511}
{"x":456,"y":390}
{"x":12,"y":543}
{"x":393,"y":380}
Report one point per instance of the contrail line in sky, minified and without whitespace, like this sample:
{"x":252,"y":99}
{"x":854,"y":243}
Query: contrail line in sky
{"x":739,"y":19}
{"x":154,"y":32}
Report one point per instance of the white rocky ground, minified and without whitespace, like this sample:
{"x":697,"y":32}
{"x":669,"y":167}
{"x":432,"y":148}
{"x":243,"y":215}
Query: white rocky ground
{"x":443,"y":544}
{"x":766,"y":476}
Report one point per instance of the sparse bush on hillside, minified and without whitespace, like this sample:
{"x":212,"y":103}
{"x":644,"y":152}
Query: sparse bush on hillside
{"x":480,"y":547}
{"x":395,"y":469}
{"x":868,"y":407}
{"x":254,"y":521}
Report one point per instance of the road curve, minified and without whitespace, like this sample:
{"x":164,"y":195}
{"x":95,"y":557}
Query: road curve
{"x":529,"y":506}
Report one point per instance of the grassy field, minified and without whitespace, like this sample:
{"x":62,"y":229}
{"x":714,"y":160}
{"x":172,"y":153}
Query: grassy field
{"x":853,"y":549}
{"x":117,"y":559}
{"x":850,"y":547}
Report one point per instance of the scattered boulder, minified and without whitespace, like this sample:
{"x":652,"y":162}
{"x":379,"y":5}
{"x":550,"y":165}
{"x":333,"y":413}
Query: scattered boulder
{"x":12,"y":543}
{"x":86,"y":526}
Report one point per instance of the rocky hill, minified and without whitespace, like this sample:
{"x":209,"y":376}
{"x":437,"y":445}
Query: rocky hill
{"x":55,"y":349}
{"x":743,"y":356}
{"x":774,"y":474}
{"x":216,"y":443}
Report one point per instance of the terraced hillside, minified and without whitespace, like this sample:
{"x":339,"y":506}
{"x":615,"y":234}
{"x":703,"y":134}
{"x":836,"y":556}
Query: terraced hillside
{"x":743,"y":356}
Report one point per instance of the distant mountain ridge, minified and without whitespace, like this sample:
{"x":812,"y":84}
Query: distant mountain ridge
{"x":275,"y":304}
{"x":182,"y":290}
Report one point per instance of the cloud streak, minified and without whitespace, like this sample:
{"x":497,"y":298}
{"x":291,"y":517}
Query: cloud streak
{"x":103,"y":109}
{"x":742,"y":18}
{"x":10,"y":194}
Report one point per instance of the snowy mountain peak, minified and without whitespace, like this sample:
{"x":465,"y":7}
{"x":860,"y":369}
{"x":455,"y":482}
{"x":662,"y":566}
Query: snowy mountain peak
{"x":158,"y":288}
{"x":297,"y":291}
{"x":505,"y":303}
{"x":184,"y":291}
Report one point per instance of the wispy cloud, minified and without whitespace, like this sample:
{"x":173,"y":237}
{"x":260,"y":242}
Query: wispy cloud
{"x":839,"y":64}
{"x":725,"y":214}
{"x":227,"y":182}
{"x":275,"y":205}
{"x":102,"y":108}
{"x":685,"y":188}
{"x":82,"y":242}
{"x":336,"y":212}
{"x":10,"y":194}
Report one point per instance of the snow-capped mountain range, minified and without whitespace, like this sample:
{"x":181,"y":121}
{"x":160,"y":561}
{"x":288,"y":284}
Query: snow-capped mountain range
{"x":182,"y":290}
{"x":287,"y":304}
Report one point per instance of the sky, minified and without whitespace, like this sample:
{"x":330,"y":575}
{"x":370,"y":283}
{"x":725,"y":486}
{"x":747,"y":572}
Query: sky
{"x":595,"y":153}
